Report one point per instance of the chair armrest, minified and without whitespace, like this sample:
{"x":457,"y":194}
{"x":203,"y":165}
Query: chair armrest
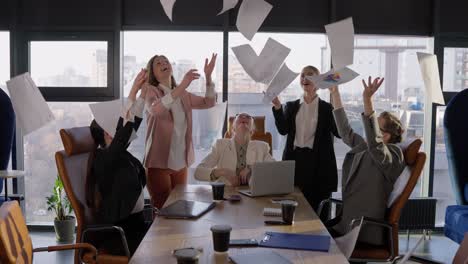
{"x":327,"y":201}
{"x":100,"y":228}
{"x":83,"y":246}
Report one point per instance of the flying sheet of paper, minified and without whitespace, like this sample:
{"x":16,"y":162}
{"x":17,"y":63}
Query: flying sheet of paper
{"x":228,"y":4}
{"x":168,"y":6}
{"x":333,"y":78}
{"x":341,"y":37}
{"x":107,"y":115}
{"x":262,"y":68}
{"x":411,"y":251}
{"x":282,"y":79}
{"x":347,"y":242}
{"x":430,"y":74}
{"x":251,"y":15}
{"x":30,"y":107}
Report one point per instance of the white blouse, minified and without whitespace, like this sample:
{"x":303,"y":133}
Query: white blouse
{"x":306,"y":123}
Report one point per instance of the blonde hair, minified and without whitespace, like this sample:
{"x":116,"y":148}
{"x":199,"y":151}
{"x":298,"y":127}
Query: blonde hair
{"x":393,"y":127}
{"x":152,"y":78}
{"x":252,"y":124}
{"x":312,"y":69}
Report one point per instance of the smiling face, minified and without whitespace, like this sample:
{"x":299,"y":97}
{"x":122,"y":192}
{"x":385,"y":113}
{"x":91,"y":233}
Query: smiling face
{"x":161,"y":68}
{"x":308,"y":86}
{"x":243,"y":124}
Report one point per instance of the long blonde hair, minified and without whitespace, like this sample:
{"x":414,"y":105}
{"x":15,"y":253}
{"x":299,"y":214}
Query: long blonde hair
{"x":151,"y":78}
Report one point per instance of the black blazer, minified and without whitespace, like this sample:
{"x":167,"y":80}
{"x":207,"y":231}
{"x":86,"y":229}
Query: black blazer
{"x":119,"y":176}
{"x":324,"y":153}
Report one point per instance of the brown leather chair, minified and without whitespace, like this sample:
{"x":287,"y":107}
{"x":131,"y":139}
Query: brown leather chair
{"x":72,"y":165}
{"x":389,"y":252}
{"x":16,"y":244}
{"x":259,"y":133}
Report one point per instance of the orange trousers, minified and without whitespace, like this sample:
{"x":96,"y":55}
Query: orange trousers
{"x":160,"y":183}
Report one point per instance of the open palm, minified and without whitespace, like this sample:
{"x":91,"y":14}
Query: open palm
{"x":209,"y":66}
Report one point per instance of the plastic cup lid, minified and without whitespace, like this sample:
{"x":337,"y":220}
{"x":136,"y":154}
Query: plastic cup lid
{"x":221,"y":228}
{"x":187,"y":254}
{"x":289,"y":202}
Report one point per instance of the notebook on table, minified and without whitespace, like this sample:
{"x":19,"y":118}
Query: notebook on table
{"x":296,"y":241}
{"x":269,"y":257}
{"x":186,"y":209}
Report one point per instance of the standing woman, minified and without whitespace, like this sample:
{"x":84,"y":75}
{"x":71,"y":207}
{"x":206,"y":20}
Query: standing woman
{"x":309,"y":125}
{"x":169,"y":150}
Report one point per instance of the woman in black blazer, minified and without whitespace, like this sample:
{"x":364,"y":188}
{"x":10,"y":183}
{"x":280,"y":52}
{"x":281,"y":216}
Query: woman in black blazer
{"x":309,"y":125}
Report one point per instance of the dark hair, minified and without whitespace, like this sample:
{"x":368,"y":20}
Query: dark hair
{"x":97,"y":133}
{"x":151,"y":78}
{"x":393,"y":127}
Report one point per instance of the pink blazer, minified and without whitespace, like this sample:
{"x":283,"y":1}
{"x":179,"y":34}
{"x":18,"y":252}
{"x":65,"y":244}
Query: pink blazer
{"x":160,"y":125}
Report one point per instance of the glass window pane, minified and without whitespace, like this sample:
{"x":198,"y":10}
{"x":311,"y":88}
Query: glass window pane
{"x":39,"y":157}
{"x":69,"y":63}
{"x":455,"y":69}
{"x":139,"y":47}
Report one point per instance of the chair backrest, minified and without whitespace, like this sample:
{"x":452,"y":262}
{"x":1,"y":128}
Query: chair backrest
{"x":15,"y":242}
{"x":72,"y":166}
{"x":259,"y":133}
{"x":456,"y":143}
{"x":415,"y":160}
{"x":461,"y":257}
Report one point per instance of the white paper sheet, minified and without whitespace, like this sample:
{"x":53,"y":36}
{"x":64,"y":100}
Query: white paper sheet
{"x":347,"y":242}
{"x":30,"y":107}
{"x":282,"y":79}
{"x":262,"y":68}
{"x":333,"y":77}
{"x":341,"y":37}
{"x":411,"y":251}
{"x":107,"y":115}
{"x":251,"y":15}
{"x":168,"y":6}
{"x":228,"y":4}
{"x":430,"y":74}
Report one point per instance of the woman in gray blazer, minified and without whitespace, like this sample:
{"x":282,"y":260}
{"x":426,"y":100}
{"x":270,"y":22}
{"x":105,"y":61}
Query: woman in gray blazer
{"x":371,"y":167}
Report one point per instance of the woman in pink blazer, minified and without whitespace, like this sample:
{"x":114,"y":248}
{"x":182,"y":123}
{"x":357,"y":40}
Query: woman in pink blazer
{"x":169,"y":150}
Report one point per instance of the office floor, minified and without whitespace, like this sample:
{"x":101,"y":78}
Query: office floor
{"x":438,"y":248}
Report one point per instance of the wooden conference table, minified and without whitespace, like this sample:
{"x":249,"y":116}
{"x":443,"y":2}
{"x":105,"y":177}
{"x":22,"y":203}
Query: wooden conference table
{"x":247,"y":221}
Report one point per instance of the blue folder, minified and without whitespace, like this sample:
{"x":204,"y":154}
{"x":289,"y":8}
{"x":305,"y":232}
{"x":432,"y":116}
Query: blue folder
{"x":296,"y":241}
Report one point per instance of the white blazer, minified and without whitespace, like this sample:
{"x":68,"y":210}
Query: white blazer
{"x":223,"y":155}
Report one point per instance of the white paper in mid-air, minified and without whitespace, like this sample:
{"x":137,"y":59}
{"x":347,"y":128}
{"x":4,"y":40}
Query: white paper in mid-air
{"x":333,"y":78}
{"x":251,"y":15}
{"x":30,"y":107}
{"x":262,"y":68}
{"x":347,"y":242}
{"x":107,"y":115}
{"x":430,"y":74}
{"x":282,"y":79}
{"x":228,"y":4}
{"x":411,"y":251}
{"x":341,"y":37}
{"x":168,"y":6}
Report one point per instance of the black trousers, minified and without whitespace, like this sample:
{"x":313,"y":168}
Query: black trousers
{"x":308,"y":178}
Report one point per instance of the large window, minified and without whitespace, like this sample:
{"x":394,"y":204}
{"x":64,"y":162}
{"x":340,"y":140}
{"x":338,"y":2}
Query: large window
{"x":455,"y":69}
{"x":185,"y":51}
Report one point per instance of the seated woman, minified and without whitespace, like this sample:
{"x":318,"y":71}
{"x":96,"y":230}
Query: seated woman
{"x":230,"y":159}
{"x":115,"y":181}
{"x":370,"y":168}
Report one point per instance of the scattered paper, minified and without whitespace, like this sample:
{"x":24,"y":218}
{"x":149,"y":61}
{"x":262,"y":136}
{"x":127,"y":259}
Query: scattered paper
{"x":168,"y":6}
{"x":262,"y":68}
{"x":228,"y":4}
{"x":251,"y":15}
{"x":30,"y":107}
{"x":411,"y":252}
{"x":347,"y":242}
{"x":341,"y":37}
{"x":430,"y":74}
{"x":107,"y":115}
{"x":282,"y":79}
{"x":333,"y":78}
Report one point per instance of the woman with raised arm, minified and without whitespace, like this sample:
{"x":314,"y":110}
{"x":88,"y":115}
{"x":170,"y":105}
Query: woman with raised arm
{"x":169,"y":150}
{"x":370,"y":168}
{"x":309,"y":125}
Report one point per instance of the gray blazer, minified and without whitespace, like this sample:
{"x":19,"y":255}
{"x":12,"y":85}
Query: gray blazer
{"x":370,"y":169}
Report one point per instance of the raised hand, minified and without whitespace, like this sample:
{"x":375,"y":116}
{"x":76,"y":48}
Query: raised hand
{"x":371,"y":87}
{"x":140,"y":79}
{"x":333,"y":89}
{"x":189,"y":77}
{"x":209,"y":66}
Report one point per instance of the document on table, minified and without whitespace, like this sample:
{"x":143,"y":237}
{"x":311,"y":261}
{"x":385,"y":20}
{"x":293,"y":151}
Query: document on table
{"x":282,"y":79}
{"x":333,"y":78}
{"x":430,"y":74}
{"x":31,"y":109}
{"x":347,"y":242}
{"x":251,"y":15}
{"x":228,"y":4}
{"x":168,"y":6}
{"x":262,"y":68}
{"x":341,"y":37}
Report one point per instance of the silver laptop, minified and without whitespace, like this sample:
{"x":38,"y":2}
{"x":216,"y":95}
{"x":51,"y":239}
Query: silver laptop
{"x":271,"y":178}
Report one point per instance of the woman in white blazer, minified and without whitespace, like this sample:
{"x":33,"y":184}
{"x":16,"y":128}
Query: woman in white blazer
{"x":230,"y":159}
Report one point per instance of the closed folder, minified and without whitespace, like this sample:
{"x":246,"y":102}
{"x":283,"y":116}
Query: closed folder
{"x":296,"y":241}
